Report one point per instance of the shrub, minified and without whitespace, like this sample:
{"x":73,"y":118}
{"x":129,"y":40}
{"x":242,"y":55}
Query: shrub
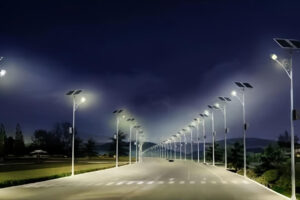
{"x":269,"y":177}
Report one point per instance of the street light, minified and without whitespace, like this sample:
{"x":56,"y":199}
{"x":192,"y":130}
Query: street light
{"x":137,"y":129}
{"x":204,"y":135}
{"x":212,"y":107}
{"x":226,"y":130}
{"x":241,"y":99}
{"x":185,"y":142}
{"x":119,"y":115}
{"x":197,"y":120}
{"x":179,"y":136}
{"x":2,"y":71}
{"x":290,"y":45}
{"x":74,"y":93}
{"x":175,"y":148}
{"x":130,"y":120}
{"x":191,"y":129}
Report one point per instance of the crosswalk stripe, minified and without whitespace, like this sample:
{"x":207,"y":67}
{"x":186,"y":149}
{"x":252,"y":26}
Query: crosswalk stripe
{"x":110,"y":183}
{"x":140,"y":182}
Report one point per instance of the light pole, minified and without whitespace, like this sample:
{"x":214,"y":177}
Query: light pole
{"x":226,"y":130}
{"x":179,"y":136}
{"x":290,"y":45}
{"x":213,"y":131}
{"x":137,"y":127}
{"x":130,"y":131}
{"x":241,"y":99}
{"x":185,"y":142}
{"x":191,"y":129}
{"x":141,"y":142}
{"x":74,"y":93}
{"x":197,"y":120}
{"x":174,"y":142}
{"x":204,"y":135}
{"x":118,"y":113}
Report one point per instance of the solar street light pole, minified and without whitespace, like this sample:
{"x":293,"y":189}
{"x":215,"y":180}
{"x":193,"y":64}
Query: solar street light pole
{"x":179,"y":136}
{"x":73,"y":93}
{"x":213,"y":132}
{"x":241,"y":99}
{"x":290,"y":45}
{"x":198,"y":141}
{"x":185,"y":143}
{"x":73,"y":133}
{"x":204,"y":136}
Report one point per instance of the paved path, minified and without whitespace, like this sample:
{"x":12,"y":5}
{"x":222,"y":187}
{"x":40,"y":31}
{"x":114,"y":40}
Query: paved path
{"x":152,"y":180}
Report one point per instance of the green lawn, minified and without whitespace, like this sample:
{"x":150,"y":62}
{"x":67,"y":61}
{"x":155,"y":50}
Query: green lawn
{"x":15,"y":174}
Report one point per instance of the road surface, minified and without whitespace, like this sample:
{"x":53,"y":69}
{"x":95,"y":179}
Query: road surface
{"x":150,"y":180}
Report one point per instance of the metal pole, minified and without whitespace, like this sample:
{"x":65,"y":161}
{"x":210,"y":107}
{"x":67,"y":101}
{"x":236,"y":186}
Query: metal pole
{"x":117,"y":144}
{"x":174,"y":148}
{"x":136,"y":146}
{"x":204,"y":140}
{"x":191,"y":143}
{"x":244,"y":119}
{"x":198,"y":140}
{"x":225,"y":136}
{"x":73,"y":134}
{"x":180,"y":146}
{"x":185,"y":143}
{"x":292,"y":136}
{"x":213,"y":134}
{"x":130,"y":129}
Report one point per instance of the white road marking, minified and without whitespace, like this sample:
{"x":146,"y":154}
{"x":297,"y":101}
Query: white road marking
{"x":192,"y":182}
{"x":171,"y":182}
{"x":213,"y":182}
{"x":245,"y":182}
{"x":181,"y":182}
{"x":224,"y":182}
{"x":150,"y":182}
{"x":234,"y":182}
{"x":110,"y":183}
{"x":130,"y":182}
{"x":160,"y":182}
{"x":140,"y":182}
{"x":171,"y":179}
{"x":120,"y":183}
{"x":203,"y":182}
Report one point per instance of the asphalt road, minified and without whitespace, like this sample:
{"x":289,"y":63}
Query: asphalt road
{"x":152,"y":179}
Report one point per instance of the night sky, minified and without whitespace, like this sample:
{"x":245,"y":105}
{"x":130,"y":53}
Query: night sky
{"x":164,"y":61}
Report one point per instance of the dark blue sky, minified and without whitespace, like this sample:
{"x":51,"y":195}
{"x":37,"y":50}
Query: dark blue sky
{"x":163,"y":61}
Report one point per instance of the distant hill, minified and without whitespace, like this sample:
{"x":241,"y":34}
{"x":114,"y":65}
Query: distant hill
{"x":105,"y":147}
{"x":254,"y":145}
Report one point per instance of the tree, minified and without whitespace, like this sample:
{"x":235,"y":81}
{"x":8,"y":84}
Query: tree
{"x":236,"y":156}
{"x":2,"y":141}
{"x":90,"y":148}
{"x":218,"y":153}
{"x":122,"y":144}
{"x":272,"y":158}
{"x":19,"y":145}
{"x":39,"y":139}
{"x":9,"y":145}
{"x":284,"y":140}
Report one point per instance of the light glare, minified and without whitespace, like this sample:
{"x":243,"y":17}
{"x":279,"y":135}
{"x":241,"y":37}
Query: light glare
{"x":2,"y":72}
{"x":206,"y":112}
{"x":233,"y":93}
{"x":83,"y":99}
{"x":274,"y":56}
